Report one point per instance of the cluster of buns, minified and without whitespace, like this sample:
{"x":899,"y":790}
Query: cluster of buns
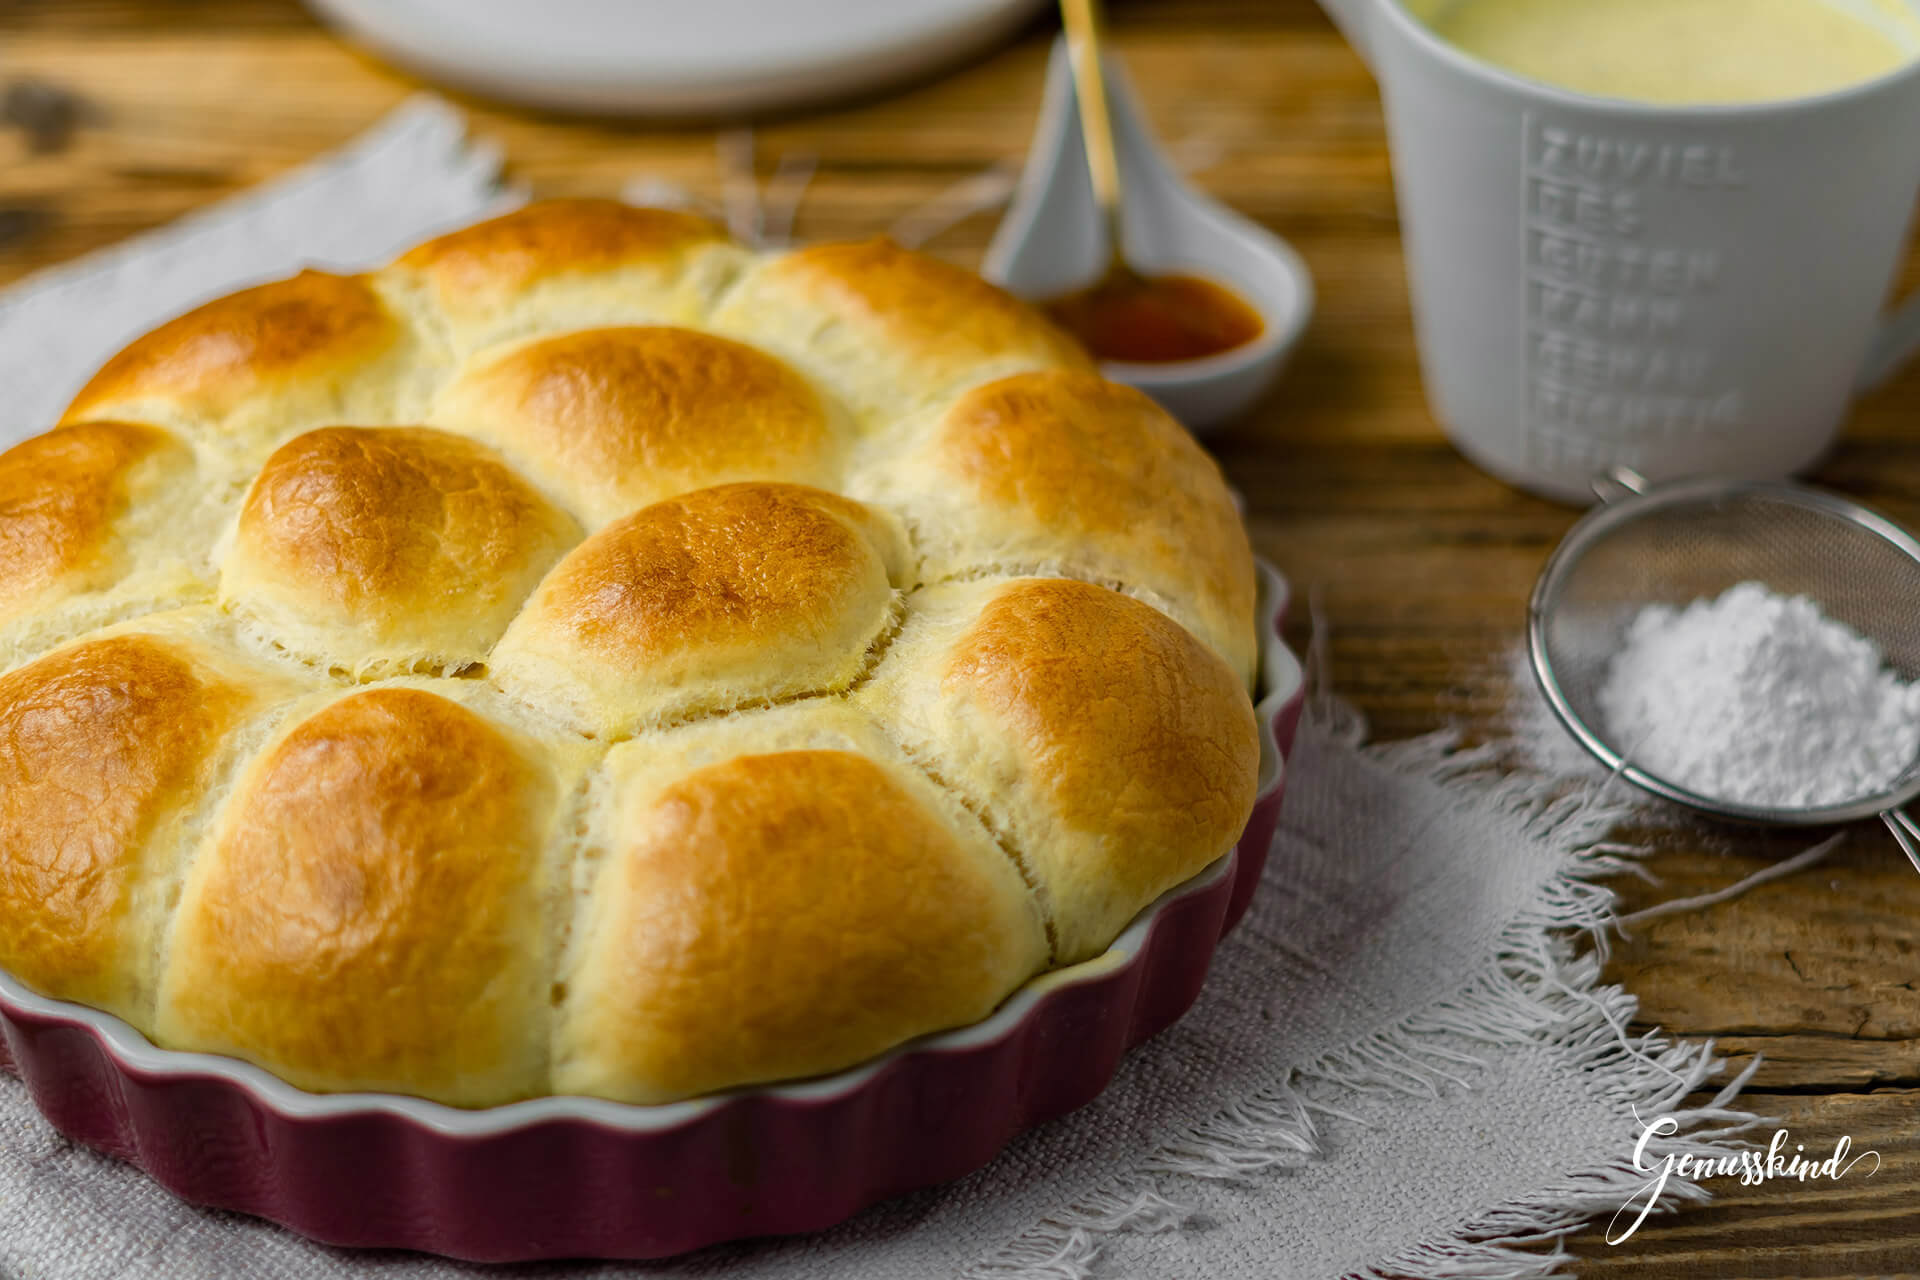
{"x":587,"y":656}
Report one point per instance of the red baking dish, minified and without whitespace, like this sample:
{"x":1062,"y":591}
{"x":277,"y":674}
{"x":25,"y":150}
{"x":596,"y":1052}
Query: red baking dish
{"x":576,"y":1177}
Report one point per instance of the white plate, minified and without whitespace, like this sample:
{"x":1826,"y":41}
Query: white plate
{"x":673,"y":57}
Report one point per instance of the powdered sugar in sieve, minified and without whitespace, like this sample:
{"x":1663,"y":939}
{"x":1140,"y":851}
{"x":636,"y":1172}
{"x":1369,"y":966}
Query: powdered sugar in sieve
{"x":1745,"y":649}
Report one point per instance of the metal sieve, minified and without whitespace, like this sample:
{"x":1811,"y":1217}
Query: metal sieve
{"x":1678,"y":543}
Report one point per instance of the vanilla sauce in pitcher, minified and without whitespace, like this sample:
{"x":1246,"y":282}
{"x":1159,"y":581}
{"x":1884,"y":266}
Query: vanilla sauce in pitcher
{"x":1683,"y":51}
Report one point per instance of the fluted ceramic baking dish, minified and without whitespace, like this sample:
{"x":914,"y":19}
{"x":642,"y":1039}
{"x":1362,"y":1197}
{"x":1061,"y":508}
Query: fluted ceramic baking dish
{"x":580,"y":1177}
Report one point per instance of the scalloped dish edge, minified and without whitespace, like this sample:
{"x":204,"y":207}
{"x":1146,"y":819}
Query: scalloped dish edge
{"x":1282,"y":680}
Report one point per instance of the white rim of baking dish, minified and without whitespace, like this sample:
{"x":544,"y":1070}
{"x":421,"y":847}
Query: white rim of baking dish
{"x":1282,"y":679}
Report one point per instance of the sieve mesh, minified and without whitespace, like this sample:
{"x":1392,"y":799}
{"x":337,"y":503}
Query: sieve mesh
{"x":1679,"y":544}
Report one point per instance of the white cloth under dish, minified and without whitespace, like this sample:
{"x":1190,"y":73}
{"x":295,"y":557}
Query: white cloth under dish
{"x":1401,"y":1064}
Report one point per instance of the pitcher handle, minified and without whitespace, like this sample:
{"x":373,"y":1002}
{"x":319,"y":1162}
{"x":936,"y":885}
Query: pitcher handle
{"x":1897,"y":342}
{"x":1355,"y":20}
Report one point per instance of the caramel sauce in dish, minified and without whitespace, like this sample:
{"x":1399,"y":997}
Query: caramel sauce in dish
{"x":1161,"y":319}
{"x":1684,"y":52}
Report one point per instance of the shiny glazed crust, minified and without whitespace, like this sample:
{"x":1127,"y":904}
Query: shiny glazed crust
{"x":588,"y":657}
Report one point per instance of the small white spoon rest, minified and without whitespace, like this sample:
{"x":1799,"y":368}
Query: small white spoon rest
{"x":1051,"y":242}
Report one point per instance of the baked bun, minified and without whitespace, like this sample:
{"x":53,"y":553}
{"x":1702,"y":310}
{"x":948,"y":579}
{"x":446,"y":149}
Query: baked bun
{"x":242,"y":372}
{"x":1061,"y":472}
{"x":706,"y":602}
{"x":376,"y":550}
{"x":783,"y":894}
{"x":111,"y":752}
{"x":568,"y":264}
{"x":890,"y":331}
{"x":1108,"y":746}
{"x":97,"y":519}
{"x":373,"y":908}
{"x":612,"y":419}
{"x":588,"y":656}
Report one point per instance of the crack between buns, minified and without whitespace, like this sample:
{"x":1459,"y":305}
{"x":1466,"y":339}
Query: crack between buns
{"x":1002,"y":838}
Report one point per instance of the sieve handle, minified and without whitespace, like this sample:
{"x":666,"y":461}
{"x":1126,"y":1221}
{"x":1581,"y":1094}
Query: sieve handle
{"x":1906,"y":831}
{"x":1617,"y":482}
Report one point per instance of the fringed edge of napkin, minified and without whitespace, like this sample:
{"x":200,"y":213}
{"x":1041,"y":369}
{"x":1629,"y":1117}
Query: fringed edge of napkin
{"x":1539,"y":990}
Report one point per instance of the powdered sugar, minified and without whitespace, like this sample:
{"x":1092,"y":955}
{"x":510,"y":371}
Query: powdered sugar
{"x":1759,"y":698}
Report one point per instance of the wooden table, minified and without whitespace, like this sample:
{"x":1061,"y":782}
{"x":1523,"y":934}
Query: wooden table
{"x":1424,"y":562}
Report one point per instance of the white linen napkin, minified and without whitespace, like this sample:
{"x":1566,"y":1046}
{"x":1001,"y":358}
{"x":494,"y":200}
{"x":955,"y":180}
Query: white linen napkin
{"x":413,"y":175}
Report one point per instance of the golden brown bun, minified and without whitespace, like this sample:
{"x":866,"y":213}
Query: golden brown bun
{"x":106,"y":750}
{"x":99,"y":522}
{"x":391,"y":549}
{"x":1065,"y":472}
{"x":722,"y":597}
{"x":1114,"y":751}
{"x":63,"y":496}
{"x":566,"y":264}
{"x":890,"y":331}
{"x":372,"y":911}
{"x":587,"y":654}
{"x":784,"y":913}
{"x":245,"y":372}
{"x":612,"y":419}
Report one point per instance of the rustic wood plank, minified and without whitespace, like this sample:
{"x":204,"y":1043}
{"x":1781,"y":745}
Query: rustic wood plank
{"x":1824,"y":1064}
{"x":1825,"y":953}
{"x":160,"y":137}
{"x":152,"y":15}
{"x":1861,"y":1225}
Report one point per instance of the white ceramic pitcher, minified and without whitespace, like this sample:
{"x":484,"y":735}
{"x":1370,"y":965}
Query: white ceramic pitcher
{"x":1679,"y":290}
